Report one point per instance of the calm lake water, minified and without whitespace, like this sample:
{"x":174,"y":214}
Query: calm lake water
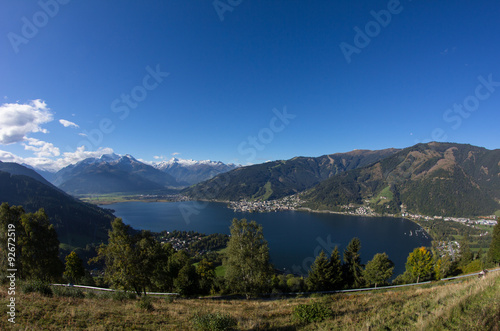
{"x":294,"y":238}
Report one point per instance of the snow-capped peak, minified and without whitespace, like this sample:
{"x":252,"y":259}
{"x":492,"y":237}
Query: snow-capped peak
{"x":184,"y":163}
{"x":109,"y":157}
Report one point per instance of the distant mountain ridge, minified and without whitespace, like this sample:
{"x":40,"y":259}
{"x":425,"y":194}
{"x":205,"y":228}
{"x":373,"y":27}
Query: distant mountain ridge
{"x":192,"y":172}
{"x":277,"y":179}
{"x":431,"y":179}
{"x":18,"y":169}
{"x":111,"y":173}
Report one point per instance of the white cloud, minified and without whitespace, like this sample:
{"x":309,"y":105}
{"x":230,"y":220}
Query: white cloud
{"x":9,"y":157}
{"x":18,"y":120}
{"x":50,"y":164}
{"x":81,"y":154}
{"x":41,"y":148}
{"x":68,"y":124}
{"x":176,"y":153}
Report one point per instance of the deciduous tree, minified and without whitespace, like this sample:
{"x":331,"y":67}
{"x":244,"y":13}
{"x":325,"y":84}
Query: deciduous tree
{"x":419,"y":265}
{"x":122,"y":268}
{"x":74,"y":269}
{"x":248,"y":269}
{"x":38,"y":248}
{"x":494,"y":250}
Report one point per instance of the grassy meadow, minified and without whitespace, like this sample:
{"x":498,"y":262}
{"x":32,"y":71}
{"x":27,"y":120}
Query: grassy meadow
{"x":469,"y":304}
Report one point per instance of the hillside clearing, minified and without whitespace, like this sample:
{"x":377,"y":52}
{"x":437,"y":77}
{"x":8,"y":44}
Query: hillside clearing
{"x":472,"y":304}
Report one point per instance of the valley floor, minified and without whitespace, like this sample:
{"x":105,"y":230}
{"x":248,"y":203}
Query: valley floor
{"x":471,"y":304}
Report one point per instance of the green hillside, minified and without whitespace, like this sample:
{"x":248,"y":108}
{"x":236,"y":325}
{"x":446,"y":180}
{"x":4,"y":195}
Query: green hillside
{"x":77,"y":223}
{"x":274,"y":180}
{"x":430,"y":179}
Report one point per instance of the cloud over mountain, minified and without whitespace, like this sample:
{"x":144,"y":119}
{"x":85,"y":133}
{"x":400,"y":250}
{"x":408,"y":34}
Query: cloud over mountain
{"x":18,"y":120}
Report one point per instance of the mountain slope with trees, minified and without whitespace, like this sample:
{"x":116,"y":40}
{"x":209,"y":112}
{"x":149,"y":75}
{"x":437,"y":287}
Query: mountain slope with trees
{"x":431,"y":179}
{"x":277,"y":179}
{"x":77,"y":223}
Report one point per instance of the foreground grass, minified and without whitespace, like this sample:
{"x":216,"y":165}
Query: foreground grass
{"x":473,"y":304}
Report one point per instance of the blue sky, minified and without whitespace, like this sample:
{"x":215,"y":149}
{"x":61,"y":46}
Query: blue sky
{"x":244,"y":81}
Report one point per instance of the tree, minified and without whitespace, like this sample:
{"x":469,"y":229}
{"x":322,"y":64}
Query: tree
{"x":352,"y":267}
{"x":336,"y":265}
{"x":9,"y":224}
{"x":36,"y":244}
{"x":74,"y":269}
{"x":38,"y":248}
{"x":443,"y":266}
{"x":379,"y":269}
{"x":122,"y":267}
{"x":206,"y":275}
{"x":186,"y":282}
{"x":321,"y":274}
{"x":466,"y":255}
{"x":494,"y":250}
{"x":248,"y":269}
{"x":419,"y":265}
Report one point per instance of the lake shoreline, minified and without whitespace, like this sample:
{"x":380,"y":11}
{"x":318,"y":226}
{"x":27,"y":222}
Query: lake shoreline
{"x":300,"y":209}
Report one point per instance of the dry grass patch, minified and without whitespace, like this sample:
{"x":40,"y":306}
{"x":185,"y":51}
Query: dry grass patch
{"x":471,"y":304}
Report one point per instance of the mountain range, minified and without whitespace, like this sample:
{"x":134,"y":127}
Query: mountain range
{"x":192,"y":172}
{"x":431,"y":179}
{"x":277,"y":179}
{"x":113,"y":173}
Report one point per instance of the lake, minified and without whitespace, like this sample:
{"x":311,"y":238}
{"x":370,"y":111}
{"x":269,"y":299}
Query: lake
{"x":294,"y":237}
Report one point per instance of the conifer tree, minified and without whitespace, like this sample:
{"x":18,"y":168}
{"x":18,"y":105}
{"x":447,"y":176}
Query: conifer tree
{"x":321,"y":274}
{"x":379,"y":269}
{"x":336,"y":265}
{"x":352,"y":269}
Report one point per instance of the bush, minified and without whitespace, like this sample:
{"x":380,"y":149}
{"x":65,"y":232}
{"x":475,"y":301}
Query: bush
{"x":315,"y":312}
{"x":104,"y":295}
{"x":214,"y":322}
{"x":122,"y":296}
{"x":145,"y":303}
{"x":69,"y":292}
{"x":38,"y":287}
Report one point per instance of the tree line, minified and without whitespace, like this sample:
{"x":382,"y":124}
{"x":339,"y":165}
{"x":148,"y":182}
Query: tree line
{"x":136,"y":261}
